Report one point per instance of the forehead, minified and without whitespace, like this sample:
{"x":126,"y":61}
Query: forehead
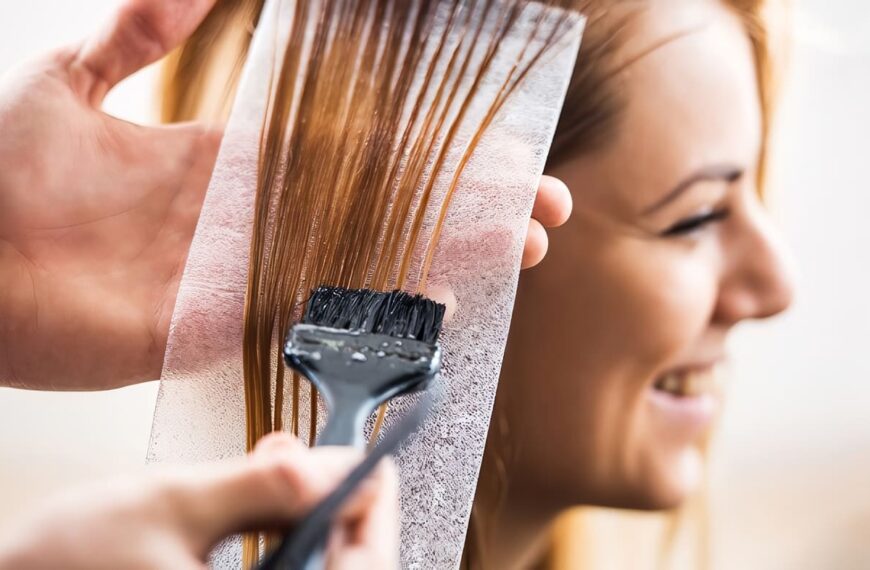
{"x":691,"y":94}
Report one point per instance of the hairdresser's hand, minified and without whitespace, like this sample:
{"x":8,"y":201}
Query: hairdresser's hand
{"x":173,"y":520}
{"x":97,"y":214}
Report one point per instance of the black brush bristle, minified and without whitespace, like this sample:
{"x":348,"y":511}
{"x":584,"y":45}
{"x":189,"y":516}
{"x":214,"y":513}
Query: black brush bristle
{"x":396,"y":313}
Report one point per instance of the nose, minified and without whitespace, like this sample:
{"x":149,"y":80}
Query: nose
{"x":757,"y":282}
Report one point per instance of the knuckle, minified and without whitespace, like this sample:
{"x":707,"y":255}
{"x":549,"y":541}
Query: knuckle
{"x":173,"y":499}
{"x":146,"y":25}
{"x":286,"y":476}
{"x":277,"y":439}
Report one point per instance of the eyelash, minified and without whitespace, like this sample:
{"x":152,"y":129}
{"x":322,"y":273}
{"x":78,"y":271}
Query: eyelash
{"x":695,"y":223}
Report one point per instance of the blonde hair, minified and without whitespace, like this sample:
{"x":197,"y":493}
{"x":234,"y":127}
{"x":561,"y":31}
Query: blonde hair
{"x":590,"y":117}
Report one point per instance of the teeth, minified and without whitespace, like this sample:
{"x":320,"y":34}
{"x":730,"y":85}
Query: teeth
{"x":671,"y":383}
{"x":687,"y":384}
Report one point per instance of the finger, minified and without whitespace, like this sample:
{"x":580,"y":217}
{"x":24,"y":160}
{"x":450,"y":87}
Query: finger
{"x":286,"y":444}
{"x":276,"y":443}
{"x":536,"y":245}
{"x":443,"y":293}
{"x":140,"y":32}
{"x":359,"y":500}
{"x":367,"y":493}
{"x":336,"y":547}
{"x":298,"y":478}
{"x":373,"y":540}
{"x":553,"y":202}
{"x":266,"y":490}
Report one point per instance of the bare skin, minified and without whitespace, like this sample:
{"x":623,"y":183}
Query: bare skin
{"x":640,"y":289}
{"x":173,"y":518}
{"x":97,"y":214}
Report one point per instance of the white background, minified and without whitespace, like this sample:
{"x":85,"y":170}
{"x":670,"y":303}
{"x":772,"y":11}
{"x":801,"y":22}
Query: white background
{"x":792,"y":476}
{"x":792,"y":465}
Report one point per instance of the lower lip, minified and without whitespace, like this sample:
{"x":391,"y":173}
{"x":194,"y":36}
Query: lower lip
{"x":689,"y":416}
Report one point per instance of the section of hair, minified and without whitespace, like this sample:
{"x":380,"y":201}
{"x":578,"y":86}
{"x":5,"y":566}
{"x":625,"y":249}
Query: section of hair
{"x":199,"y":79}
{"x":370,"y":109}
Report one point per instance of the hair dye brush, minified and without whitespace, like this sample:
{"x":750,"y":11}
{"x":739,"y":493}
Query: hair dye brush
{"x":360,"y":348}
{"x":311,"y":533}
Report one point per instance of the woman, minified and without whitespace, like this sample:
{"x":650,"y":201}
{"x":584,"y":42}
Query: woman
{"x":607,"y":388}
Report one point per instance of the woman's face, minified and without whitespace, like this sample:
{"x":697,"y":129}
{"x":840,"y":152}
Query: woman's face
{"x":607,"y":391}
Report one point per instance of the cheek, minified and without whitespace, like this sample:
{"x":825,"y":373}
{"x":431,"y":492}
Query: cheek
{"x":676,"y":295}
{"x":593,"y":325}
{"x":650,"y":301}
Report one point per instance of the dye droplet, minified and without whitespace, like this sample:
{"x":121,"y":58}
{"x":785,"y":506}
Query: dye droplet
{"x":315,"y":356}
{"x":358,"y":357}
{"x":398,"y":343}
{"x":381,"y":353}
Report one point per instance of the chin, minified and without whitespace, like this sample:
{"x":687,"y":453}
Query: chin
{"x":662,"y":482}
{"x":672,"y":481}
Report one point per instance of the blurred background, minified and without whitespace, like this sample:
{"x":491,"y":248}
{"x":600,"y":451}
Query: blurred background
{"x":790,"y":483}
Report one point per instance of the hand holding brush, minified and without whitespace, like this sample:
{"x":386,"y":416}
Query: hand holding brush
{"x":171,"y":517}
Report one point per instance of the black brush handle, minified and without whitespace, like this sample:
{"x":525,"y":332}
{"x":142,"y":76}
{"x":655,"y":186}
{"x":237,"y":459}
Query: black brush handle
{"x":304,"y":548}
{"x":347,"y":415}
{"x":344,"y":427}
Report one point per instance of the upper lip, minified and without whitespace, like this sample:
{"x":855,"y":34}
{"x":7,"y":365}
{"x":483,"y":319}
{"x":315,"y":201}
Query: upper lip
{"x":696,"y":365}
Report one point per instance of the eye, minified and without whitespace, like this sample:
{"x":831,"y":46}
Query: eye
{"x":695,"y":223}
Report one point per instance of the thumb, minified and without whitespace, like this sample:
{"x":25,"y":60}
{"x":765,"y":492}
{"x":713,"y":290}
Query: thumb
{"x":266,"y":490}
{"x":141,"y":32}
{"x":183,"y":155}
{"x":195,"y":145}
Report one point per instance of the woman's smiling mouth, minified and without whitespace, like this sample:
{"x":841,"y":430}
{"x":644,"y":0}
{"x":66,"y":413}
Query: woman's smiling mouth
{"x":687,"y":399}
{"x":688,"y":382}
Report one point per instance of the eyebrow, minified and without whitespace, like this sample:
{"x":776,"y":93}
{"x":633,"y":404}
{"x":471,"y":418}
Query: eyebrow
{"x":723,"y":172}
